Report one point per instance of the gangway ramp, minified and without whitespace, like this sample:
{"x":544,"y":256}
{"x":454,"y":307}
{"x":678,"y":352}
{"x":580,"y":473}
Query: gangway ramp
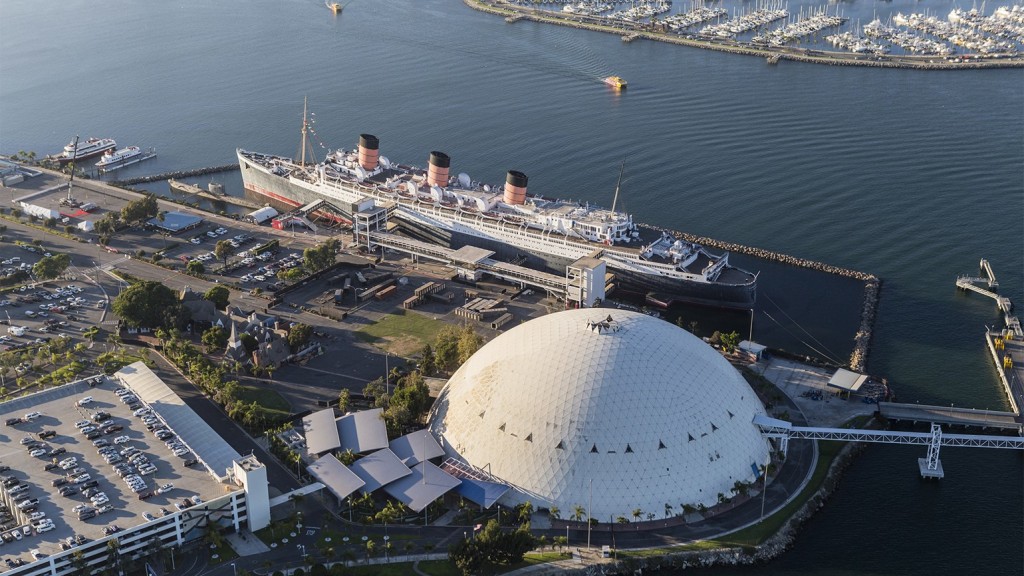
{"x":473,"y":258}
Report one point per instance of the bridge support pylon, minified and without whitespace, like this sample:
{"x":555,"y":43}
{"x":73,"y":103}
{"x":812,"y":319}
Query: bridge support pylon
{"x":931,"y":466}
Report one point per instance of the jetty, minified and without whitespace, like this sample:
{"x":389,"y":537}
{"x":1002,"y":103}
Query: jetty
{"x":171,"y":175}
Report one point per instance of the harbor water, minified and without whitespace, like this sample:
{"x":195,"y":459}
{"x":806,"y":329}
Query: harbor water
{"x":911,"y":176}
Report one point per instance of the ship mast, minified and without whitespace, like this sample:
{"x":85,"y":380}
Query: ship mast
{"x":622,"y":167}
{"x":302,"y":161}
{"x":74,"y":156}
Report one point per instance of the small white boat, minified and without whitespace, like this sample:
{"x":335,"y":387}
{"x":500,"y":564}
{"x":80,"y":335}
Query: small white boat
{"x":112,"y":160}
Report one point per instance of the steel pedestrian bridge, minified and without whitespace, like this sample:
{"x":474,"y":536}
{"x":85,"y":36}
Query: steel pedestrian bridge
{"x":930,"y":466}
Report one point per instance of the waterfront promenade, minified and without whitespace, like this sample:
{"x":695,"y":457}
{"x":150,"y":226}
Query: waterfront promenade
{"x":773,"y":54}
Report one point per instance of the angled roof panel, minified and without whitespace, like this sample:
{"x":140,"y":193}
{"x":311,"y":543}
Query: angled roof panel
{"x":380,"y":468}
{"x":363,"y":431}
{"x":338,"y":479}
{"x":426,"y":484}
{"x":416,"y":447}
{"x":321,"y":432}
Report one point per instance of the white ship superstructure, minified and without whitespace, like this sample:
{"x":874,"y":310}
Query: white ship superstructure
{"x":432,"y":199}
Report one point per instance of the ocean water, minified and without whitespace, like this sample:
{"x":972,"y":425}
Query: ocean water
{"x":912,"y":176}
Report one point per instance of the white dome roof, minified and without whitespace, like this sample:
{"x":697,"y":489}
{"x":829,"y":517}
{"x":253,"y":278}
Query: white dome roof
{"x":646,"y":411}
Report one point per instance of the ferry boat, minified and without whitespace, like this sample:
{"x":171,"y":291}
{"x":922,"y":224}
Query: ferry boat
{"x":457,"y":211}
{"x":615,"y":82}
{"x":76,"y":150}
{"x":112,"y":160}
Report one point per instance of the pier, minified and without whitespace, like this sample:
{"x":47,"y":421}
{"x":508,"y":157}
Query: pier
{"x":949,"y":415}
{"x":1005,"y":305}
{"x":193,"y":190}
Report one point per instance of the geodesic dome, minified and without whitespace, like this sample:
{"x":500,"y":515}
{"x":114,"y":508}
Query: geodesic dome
{"x":635,"y":409}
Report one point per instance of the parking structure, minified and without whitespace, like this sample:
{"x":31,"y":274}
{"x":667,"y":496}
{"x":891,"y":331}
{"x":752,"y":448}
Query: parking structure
{"x":65,"y":479}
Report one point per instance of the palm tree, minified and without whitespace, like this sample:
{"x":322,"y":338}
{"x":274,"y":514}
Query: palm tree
{"x":638,"y":514}
{"x":578,"y":512}
{"x":668,"y":509}
{"x":554,"y":513}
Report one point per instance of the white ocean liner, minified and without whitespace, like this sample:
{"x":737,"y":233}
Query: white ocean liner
{"x":458,"y":211}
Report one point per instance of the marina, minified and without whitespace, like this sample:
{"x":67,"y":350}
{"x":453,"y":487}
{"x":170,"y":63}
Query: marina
{"x":968,"y":40}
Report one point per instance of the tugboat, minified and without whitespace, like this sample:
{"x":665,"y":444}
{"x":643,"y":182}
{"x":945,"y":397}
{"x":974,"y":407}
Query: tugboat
{"x":615,"y":82}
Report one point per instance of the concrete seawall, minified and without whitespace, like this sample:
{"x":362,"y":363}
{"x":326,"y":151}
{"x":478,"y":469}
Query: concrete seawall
{"x":773,"y":54}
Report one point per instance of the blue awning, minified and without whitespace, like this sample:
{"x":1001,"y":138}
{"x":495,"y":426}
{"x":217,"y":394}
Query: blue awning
{"x":481,"y":492}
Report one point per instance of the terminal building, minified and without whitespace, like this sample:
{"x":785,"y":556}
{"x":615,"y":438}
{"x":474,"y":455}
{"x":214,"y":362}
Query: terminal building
{"x":213,"y":486}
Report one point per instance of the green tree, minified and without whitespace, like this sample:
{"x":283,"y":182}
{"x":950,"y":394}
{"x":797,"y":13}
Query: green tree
{"x":147,"y":304}
{"x":344,"y":400}
{"x":248,"y":342}
{"x":578,"y":513}
{"x":428,"y":363}
{"x":219,"y":295}
{"x":469,"y":343}
{"x":321,"y":256}
{"x":730,"y":341}
{"x":223,"y":250}
{"x":638,"y":514}
{"x":216,"y":338}
{"x":51,"y":266}
{"x":554,"y":512}
{"x":195,"y":267}
{"x":299,"y":335}
{"x":467,"y":556}
{"x":138,"y":211}
{"x":446,"y":347}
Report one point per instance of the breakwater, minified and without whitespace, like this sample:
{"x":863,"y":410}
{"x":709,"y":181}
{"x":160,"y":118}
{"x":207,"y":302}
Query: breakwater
{"x":514,"y":13}
{"x":872,"y":284}
{"x":171,"y":175}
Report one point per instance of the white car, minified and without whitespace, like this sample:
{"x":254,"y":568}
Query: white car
{"x":43,"y":527}
{"x":32,"y":415}
{"x":36,"y":516}
{"x":195,"y":240}
{"x":122,"y":440}
{"x":84,"y":401}
{"x":165,"y":488}
{"x":79,"y":508}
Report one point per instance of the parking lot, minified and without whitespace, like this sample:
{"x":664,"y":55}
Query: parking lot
{"x":83,"y":460}
{"x":38,"y":311}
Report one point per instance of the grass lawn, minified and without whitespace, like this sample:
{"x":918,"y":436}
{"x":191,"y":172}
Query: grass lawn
{"x":403,"y":333}
{"x":269,"y":399}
